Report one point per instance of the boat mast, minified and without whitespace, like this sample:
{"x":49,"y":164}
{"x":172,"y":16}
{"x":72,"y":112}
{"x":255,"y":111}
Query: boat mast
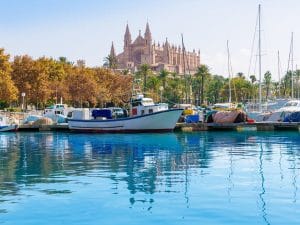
{"x":229,"y":72}
{"x":292,"y":63}
{"x":278,"y":67}
{"x":259,"y":56}
{"x":184,"y":72}
{"x":297,"y":81}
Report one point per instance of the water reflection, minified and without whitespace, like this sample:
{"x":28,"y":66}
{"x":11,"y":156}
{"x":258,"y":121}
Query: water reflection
{"x":153,"y":164}
{"x":263,"y":190}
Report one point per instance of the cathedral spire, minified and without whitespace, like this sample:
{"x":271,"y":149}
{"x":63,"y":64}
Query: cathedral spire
{"x":167,"y":43}
{"x":127,"y":37}
{"x":127,"y":32}
{"x":147,"y":35}
{"x":112,"y":50}
{"x":147,"y":31}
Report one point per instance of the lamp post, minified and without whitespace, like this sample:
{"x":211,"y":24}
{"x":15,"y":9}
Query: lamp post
{"x":23,"y":101}
{"x":161,"y":88}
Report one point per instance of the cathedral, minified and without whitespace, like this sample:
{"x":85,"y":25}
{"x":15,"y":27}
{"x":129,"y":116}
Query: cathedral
{"x":144,"y":51}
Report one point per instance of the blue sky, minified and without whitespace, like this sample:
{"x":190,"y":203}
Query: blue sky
{"x":84,"y":29}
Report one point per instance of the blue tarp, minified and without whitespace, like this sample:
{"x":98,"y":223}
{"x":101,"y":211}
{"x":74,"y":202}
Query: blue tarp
{"x":293,"y":117}
{"x":192,"y":119}
{"x":102,"y":113}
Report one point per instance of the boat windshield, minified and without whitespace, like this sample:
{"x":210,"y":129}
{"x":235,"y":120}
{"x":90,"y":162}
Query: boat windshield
{"x":291,"y":104}
{"x":147,"y":102}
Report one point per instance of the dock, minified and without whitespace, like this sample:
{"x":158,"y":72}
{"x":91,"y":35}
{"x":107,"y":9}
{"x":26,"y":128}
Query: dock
{"x":258,"y":126}
{"x":192,"y":127}
{"x":54,"y":127}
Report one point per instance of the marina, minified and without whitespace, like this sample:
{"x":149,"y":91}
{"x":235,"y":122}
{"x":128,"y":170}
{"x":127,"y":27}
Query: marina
{"x":110,"y":114}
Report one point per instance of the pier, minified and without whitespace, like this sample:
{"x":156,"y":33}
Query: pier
{"x":191,"y":127}
{"x":259,"y":126}
{"x":54,"y":127}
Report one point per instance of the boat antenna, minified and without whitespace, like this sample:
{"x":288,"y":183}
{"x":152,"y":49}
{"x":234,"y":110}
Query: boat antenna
{"x":259,"y":55}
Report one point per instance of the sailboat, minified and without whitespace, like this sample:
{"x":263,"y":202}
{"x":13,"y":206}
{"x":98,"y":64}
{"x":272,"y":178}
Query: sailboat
{"x":290,"y":111}
{"x":259,"y":115}
{"x":227,"y":105}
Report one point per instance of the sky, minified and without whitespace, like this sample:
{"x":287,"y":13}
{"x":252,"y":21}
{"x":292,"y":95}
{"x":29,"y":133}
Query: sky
{"x":84,"y":29}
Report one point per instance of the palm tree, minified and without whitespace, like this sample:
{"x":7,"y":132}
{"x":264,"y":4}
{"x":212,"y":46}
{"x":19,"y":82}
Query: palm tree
{"x":144,"y":72}
{"x":240,"y":75}
{"x":253,"y":86}
{"x":252,"y":78}
{"x":200,"y":76}
{"x":267,"y":80}
{"x":163,"y":76}
{"x":111,"y":62}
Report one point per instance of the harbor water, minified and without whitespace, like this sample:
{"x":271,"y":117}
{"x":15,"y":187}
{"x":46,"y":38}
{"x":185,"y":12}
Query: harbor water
{"x":172,"y":178}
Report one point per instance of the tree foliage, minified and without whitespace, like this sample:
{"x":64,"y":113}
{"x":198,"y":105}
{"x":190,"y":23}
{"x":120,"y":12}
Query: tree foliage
{"x":8,"y":90}
{"x":47,"y":80}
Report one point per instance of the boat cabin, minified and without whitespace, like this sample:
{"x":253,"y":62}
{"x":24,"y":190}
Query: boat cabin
{"x":57,"y":109}
{"x":292,"y":105}
{"x":142,"y":106}
{"x":3,"y":121}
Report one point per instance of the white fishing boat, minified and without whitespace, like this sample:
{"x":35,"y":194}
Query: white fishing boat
{"x":145,"y":116}
{"x":5,"y":125}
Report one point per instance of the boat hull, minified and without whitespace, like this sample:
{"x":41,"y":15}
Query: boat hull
{"x":8,"y":128}
{"x":163,"y":121}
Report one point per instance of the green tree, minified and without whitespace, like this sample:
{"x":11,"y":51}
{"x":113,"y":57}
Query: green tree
{"x":267,"y":81}
{"x":163,"y":77}
{"x":215,"y":86}
{"x":111,"y":62}
{"x":252,"y":78}
{"x":287,"y":84}
{"x":243,"y":89}
{"x":144,"y":72}
{"x":240,"y":75}
{"x":201,"y":76}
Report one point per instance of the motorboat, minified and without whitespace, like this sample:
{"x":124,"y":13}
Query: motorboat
{"x":57,"y":112}
{"x":280,"y":114}
{"x":6,"y":125}
{"x":145,"y":116}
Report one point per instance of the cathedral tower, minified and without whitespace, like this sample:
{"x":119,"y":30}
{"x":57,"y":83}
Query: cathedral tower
{"x":148,"y":45}
{"x":143,"y":50}
{"x":112,"y":50}
{"x":127,"y":38}
{"x":148,"y":36}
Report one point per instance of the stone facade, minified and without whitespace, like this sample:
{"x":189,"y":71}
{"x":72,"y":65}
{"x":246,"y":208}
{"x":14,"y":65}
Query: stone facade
{"x":144,"y":51}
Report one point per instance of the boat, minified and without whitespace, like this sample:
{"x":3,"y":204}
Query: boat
{"x":5,"y":125}
{"x":57,"y":112}
{"x":145,"y":116}
{"x":292,"y":106}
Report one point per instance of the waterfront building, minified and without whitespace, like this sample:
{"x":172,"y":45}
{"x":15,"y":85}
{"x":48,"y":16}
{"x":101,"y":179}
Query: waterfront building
{"x":143,"y":50}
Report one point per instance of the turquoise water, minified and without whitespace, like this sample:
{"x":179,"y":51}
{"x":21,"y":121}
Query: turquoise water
{"x":175,"y":178}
